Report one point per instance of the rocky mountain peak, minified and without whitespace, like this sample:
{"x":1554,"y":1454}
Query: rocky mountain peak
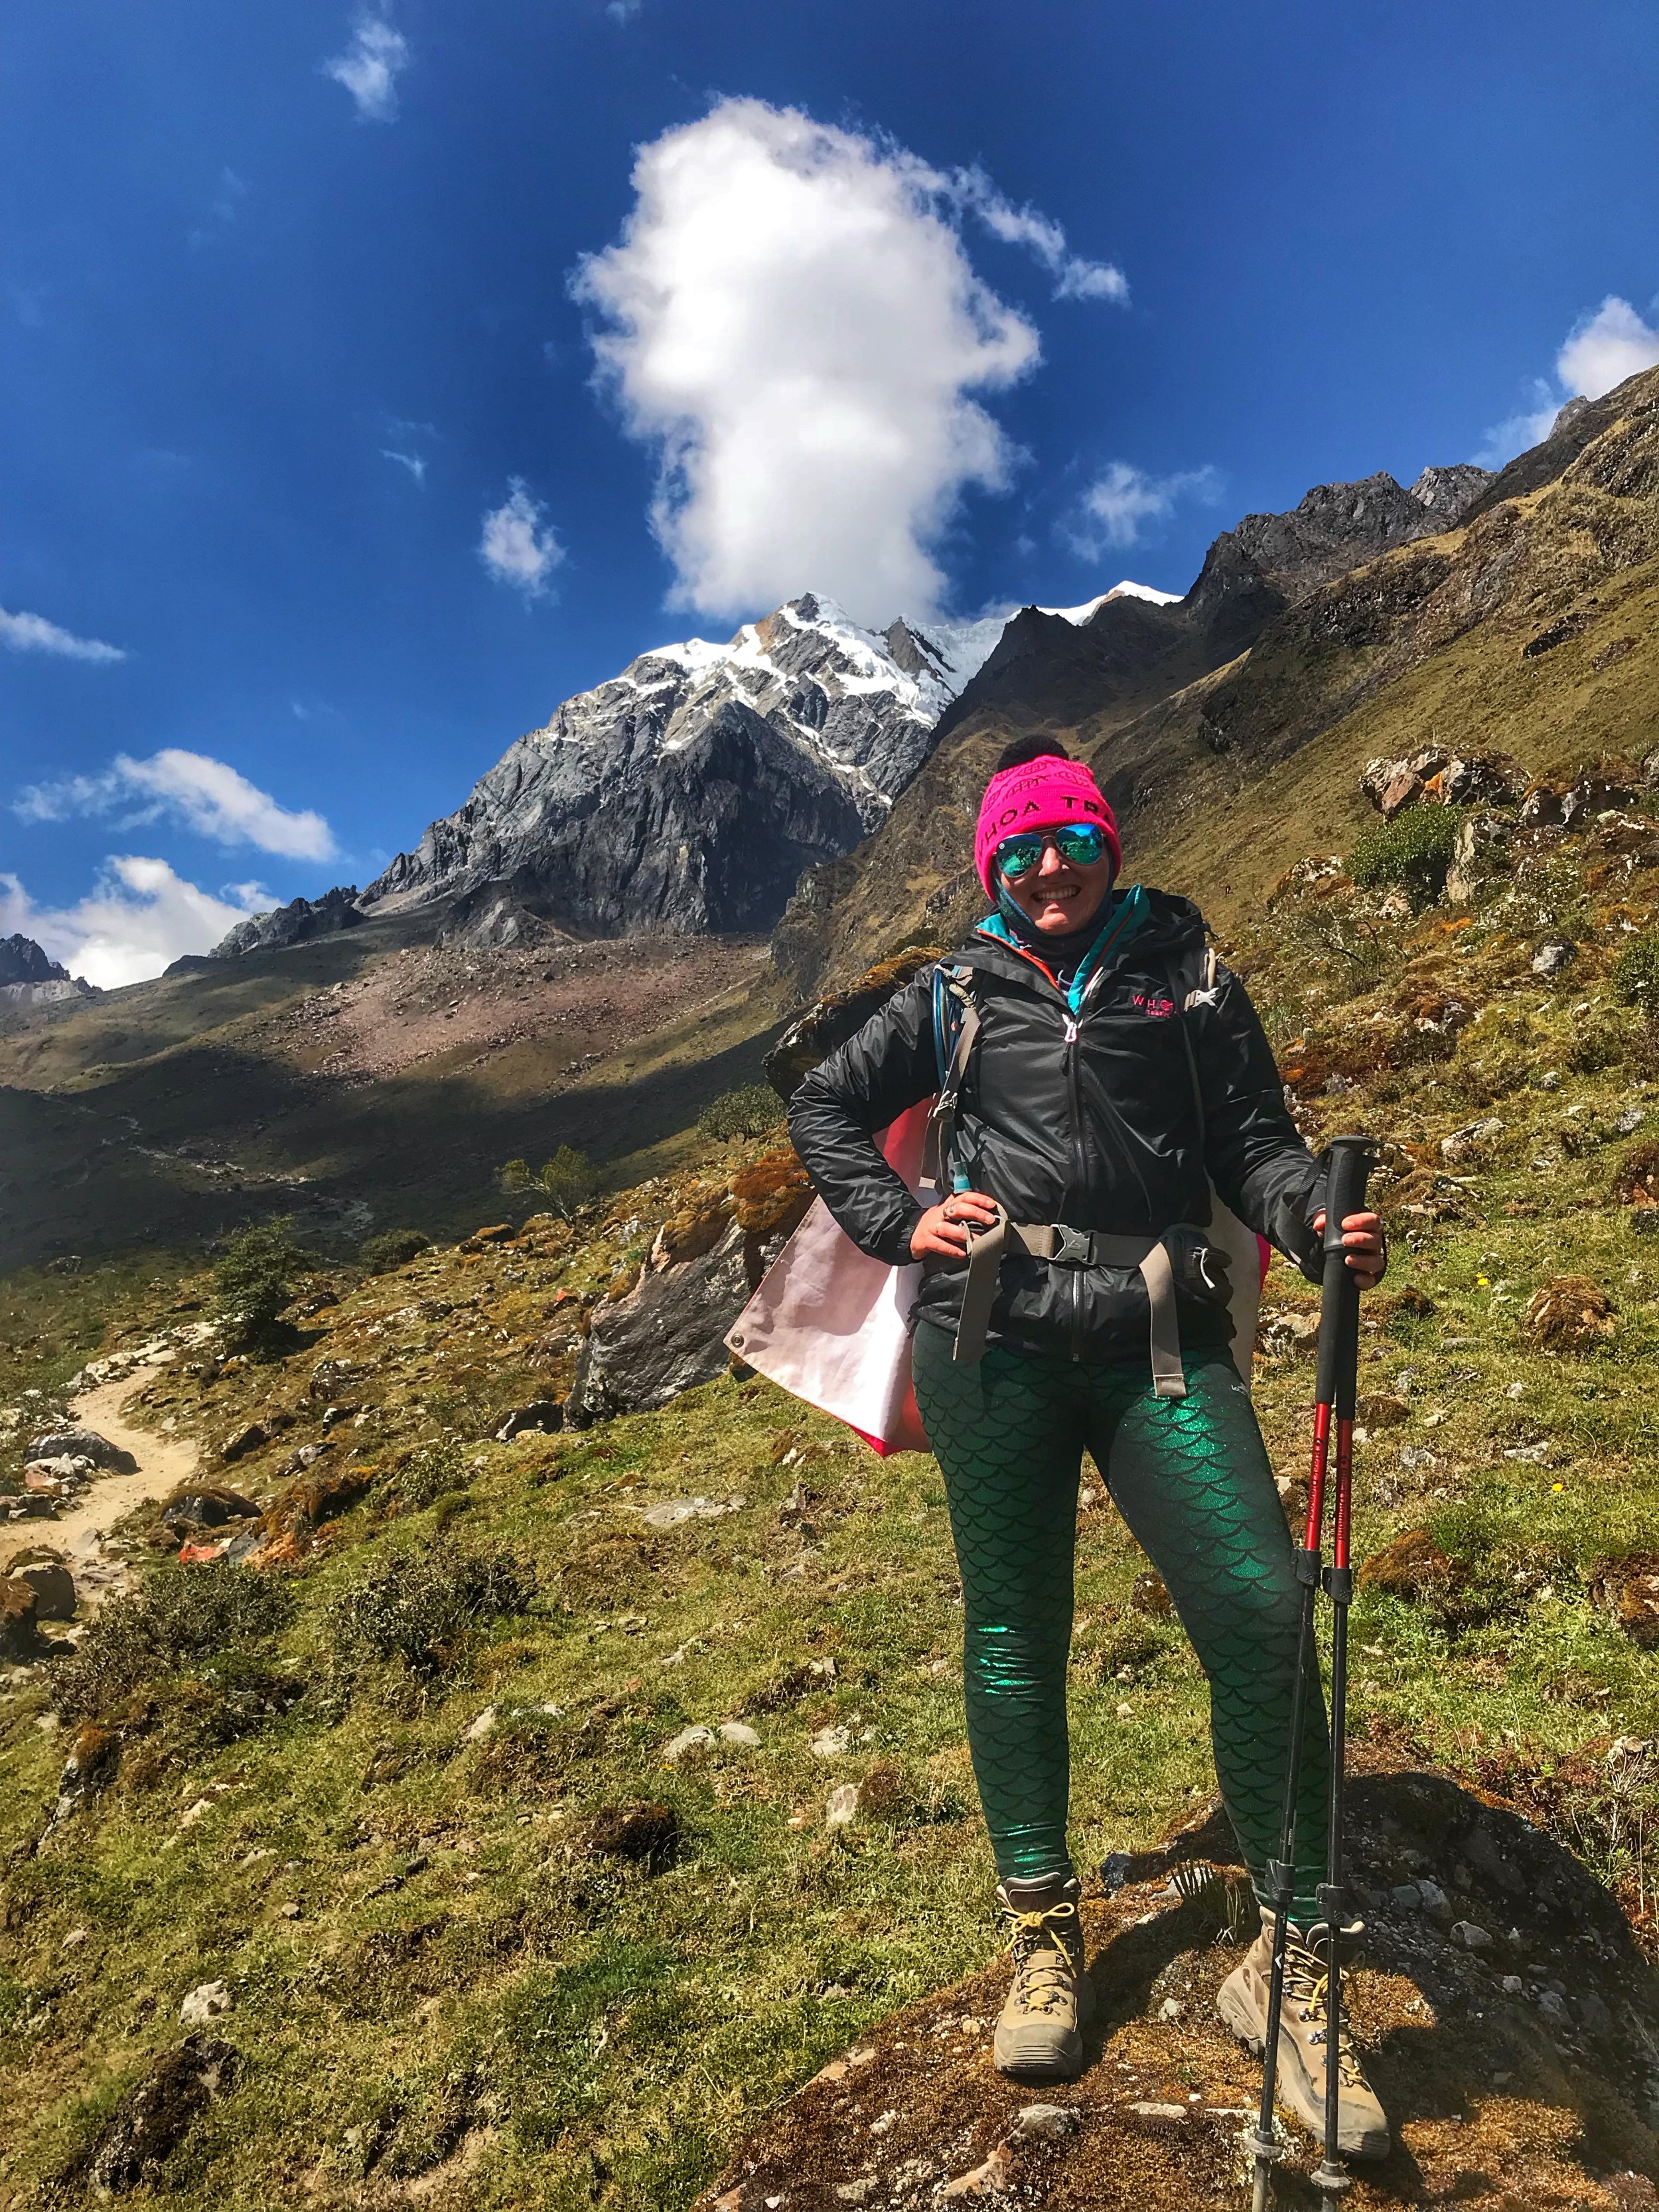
{"x":292,"y":924}
{"x":689,"y":792}
{"x":1338,"y":526}
{"x":29,"y":977}
{"x":1448,"y":493}
{"x":22,"y":961}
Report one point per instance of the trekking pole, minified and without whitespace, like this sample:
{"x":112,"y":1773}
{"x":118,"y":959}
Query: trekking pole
{"x":1350,"y":1163}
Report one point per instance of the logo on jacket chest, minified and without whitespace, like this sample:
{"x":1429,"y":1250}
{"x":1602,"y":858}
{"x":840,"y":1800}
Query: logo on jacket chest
{"x":1153,"y":1003}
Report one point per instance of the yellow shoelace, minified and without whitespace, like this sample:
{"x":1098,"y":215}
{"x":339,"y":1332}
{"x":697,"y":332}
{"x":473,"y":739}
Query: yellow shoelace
{"x":1044,"y":1969}
{"x":1308,"y":1980}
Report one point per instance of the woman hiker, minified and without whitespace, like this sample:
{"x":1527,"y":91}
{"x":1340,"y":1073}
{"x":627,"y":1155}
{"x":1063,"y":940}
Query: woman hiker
{"x":1115,"y":1067}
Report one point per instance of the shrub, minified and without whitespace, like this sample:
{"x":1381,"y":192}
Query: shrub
{"x":253,"y":1279}
{"x":429,"y":1471}
{"x":754,"y":1111}
{"x":1635,"y":973}
{"x":1413,"y":851}
{"x":394,"y":1248}
{"x":566,"y":1182}
{"x":180,"y":1613}
{"x":420,"y":1606}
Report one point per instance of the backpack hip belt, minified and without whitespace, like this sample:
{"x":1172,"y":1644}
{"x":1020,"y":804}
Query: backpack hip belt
{"x":1078,"y":1248}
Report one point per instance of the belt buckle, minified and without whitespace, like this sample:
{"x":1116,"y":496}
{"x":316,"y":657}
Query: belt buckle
{"x":1071,"y":1246}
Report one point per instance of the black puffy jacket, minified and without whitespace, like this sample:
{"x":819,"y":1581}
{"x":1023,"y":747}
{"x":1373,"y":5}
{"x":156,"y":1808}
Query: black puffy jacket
{"x":1090,"y":1121}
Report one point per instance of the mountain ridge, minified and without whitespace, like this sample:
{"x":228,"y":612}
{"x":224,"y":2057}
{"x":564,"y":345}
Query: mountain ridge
{"x":1483,"y":634}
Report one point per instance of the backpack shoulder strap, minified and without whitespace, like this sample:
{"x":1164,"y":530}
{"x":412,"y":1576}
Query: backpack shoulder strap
{"x":956,"y":1029}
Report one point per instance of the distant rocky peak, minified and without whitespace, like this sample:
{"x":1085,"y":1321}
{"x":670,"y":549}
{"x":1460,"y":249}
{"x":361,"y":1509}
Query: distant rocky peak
{"x":301,"y":920}
{"x":1447,"y":492}
{"x":1338,"y":526}
{"x":22,"y":961}
{"x":688,"y":792}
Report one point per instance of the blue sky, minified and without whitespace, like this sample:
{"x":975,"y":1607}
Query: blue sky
{"x":308,"y":416}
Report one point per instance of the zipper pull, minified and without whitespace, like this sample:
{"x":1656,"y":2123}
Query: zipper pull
{"x":1071,"y":1030}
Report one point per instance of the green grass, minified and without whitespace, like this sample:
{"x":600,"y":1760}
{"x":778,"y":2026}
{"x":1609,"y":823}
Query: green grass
{"x":465,"y":1980}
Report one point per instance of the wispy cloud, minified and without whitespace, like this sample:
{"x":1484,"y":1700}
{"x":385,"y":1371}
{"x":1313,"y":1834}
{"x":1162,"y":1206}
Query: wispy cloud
{"x":1122,"y":502}
{"x":370,"y":67}
{"x":415,"y":463}
{"x":34,"y":634}
{"x":1600,"y":350}
{"x":622,"y":11}
{"x":223,"y":209}
{"x":138,"y":918}
{"x":207,"y":795}
{"x":1075,"y":278}
{"x":518,"y":546}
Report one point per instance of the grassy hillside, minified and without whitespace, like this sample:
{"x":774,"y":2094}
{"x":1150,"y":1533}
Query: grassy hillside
{"x":384,"y":1800}
{"x":1530,"y":631}
{"x":363,"y":1079}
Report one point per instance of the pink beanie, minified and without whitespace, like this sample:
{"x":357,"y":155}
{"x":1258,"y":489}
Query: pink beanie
{"x":1040,"y":794}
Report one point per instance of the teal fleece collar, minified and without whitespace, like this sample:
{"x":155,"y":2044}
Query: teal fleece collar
{"x":1125,"y":913}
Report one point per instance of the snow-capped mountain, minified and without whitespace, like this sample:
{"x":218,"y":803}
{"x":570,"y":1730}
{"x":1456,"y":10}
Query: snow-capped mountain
{"x":689,"y":792}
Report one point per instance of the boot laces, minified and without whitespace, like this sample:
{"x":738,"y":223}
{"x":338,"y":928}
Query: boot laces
{"x":1307,"y":1985}
{"x":1044,"y":1969}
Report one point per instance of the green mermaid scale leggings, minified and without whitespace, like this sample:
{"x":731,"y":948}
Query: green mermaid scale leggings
{"x":1191,"y":1478}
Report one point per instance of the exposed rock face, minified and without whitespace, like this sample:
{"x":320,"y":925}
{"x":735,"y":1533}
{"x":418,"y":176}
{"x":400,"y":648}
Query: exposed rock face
{"x":83,"y":1444}
{"x":22,"y":961}
{"x":292,"y":924}
{"x":689,"y":792}
{"x":1545,"y":2020}
{"x":669,"y":1334}
{"x":1449,"y":493}
{"x":1337,"y":527}
{"x":30,"y":977}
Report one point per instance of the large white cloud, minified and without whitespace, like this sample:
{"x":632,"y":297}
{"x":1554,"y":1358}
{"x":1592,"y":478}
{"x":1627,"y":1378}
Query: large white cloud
{"x":1606,"y":348}
{"x":1123,"y":500}
{"x":370,"y":67}
{"x":24,"y":633}
{"x":138,"y":918}
{"x":1600,"y":350}
{"x":207,"y":795}
{"x":790,"y":315}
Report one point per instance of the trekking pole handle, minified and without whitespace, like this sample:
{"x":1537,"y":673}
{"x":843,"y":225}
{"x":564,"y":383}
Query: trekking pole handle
{"x":1352,"y":1159}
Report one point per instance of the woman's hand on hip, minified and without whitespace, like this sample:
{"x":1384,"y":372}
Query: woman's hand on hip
{"x":942,"y":1231}
{"x":1364,"y":1246}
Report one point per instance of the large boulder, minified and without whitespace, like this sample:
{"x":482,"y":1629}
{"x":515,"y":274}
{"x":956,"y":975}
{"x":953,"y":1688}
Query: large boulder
{"x":669,"y":1334}
{"x":829,"y":1022}
{"x":83,"y":1444}
{"x":53,"y":1585}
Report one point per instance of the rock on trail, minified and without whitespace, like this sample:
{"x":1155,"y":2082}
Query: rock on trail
{"x":1519,"y":2072}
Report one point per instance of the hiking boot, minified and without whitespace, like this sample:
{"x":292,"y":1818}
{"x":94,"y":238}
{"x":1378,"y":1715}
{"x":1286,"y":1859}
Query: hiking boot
{"x":1052,"y":1999}
{"x":1242,"y":2001}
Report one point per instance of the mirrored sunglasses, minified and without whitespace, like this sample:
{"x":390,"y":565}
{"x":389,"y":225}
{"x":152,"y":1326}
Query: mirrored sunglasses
{"x":1082,"y":844}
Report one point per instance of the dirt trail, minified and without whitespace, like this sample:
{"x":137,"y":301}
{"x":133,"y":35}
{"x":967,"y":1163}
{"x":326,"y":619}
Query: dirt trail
{"x":163,"y":1462}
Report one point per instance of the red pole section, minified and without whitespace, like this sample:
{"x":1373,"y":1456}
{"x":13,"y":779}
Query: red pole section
{"x":1321,"y":1445}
